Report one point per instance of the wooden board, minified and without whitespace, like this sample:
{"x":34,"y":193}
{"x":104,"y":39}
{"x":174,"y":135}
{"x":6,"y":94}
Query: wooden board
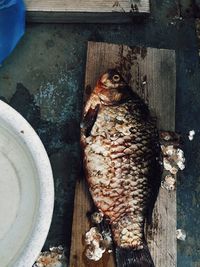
{"x":85,"y":11}
{"x":152,"y":73}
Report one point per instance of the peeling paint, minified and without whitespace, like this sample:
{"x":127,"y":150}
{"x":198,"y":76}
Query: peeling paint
{"x":57,"y":99}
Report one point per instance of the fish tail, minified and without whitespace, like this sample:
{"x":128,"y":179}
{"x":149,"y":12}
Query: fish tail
{"x":128,"y":257}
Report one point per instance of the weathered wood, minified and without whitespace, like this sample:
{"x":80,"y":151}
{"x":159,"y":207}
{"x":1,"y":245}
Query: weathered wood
{"x":85,"y":11}
{"x":81,"y":224}
{"x":151,"y":73}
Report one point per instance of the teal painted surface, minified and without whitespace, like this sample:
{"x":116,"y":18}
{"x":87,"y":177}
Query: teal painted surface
{"x":43,"y":79}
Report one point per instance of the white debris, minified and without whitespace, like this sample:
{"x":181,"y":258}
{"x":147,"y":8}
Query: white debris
{"x":180,"y":159}
{"x":181,"y":234}
{"x":92,"y":235}
{"x":170,"y":150}
{"x":173,"y":158}
{"x":167,"y":165}
{"x":169,"y":183}
{"x":180,"y":154}
{"x":55,"y":257}
{"x":94,"y":242}
{"x":191,"y":135}
{"x":174,"y":170}
{"x":181,"y":165}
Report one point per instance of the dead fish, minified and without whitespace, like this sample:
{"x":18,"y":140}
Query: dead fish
{"x":121,"y":159}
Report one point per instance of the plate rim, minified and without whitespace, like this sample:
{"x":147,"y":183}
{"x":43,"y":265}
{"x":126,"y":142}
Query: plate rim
{"x":36,"y":148}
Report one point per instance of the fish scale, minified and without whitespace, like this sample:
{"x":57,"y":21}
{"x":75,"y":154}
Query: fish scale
{"x":132,"y":149}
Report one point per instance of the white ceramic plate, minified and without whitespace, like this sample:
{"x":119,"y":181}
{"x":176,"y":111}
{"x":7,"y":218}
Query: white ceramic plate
{"x":26,"y":191}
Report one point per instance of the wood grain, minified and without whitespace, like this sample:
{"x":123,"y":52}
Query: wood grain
{"x":152,"y":73}
{"x":85,"y":11}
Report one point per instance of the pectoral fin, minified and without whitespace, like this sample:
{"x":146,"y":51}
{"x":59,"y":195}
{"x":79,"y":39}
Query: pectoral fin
{"x":89,"y":120}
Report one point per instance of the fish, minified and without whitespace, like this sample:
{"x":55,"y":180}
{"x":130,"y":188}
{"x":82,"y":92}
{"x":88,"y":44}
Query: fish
{"x":121,"y":159}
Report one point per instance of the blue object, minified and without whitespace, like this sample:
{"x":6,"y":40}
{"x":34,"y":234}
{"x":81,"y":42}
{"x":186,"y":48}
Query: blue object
{"x":12,"y":25}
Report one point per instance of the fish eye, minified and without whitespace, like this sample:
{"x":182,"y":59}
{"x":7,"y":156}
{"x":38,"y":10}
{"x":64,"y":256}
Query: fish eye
{"x":116,"y":78}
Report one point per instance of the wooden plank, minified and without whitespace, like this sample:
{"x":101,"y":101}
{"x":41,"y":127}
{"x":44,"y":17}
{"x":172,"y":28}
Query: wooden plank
{"x":151,"y":73}
{"x":85,"y":11}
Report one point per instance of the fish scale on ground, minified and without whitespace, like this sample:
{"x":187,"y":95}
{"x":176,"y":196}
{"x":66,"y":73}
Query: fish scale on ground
{"x":121,"y":152}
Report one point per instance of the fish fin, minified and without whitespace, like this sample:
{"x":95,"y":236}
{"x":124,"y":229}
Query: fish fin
{"x":155,"y":177}
{"x":89,"y":120}
{"x":128,"y":257}
{"x":155,"y":186}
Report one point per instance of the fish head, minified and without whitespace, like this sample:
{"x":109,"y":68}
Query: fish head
{"x":112,"y":80}
{"x":111,"y":87}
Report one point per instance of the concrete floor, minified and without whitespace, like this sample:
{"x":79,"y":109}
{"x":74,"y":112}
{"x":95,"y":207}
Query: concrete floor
{"x":43,"y":79}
